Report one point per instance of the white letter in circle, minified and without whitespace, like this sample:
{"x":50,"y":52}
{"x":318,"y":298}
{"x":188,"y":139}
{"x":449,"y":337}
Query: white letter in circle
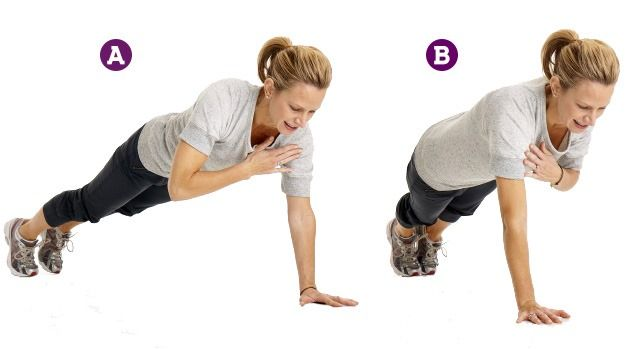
{"x":441,"y":55}
{"x":115,"y":56}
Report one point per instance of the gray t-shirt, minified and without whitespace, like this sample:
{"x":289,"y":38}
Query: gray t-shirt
{"x":219,"y":125}
{"x":488,"y":141}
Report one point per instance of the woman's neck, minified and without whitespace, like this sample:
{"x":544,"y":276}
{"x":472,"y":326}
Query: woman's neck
{"x":262,"y":127}
{"x":555,"y":130}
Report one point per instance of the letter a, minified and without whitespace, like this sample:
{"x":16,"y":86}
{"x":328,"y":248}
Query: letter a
{"x":115,"y":56}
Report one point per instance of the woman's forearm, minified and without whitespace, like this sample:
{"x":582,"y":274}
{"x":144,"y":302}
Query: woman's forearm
{"x":204,"y":182}
{"x":569,"y":180}
{"x":516,"y":248}
{"x":303,"y":232}
{"x":513,"y":207}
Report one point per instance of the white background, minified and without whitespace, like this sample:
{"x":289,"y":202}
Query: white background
{"x":218,"y":271}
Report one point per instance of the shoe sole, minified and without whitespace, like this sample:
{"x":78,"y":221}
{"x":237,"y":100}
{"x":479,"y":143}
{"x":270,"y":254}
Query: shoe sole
{"x":7,"y":238}
{"x":389,"y":233}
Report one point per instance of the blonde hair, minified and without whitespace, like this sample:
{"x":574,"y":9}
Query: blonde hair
{"x":573,"y":59}
{"x":286,"y":64}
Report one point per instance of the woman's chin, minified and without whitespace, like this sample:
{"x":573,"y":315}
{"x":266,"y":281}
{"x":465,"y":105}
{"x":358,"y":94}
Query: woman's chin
{"x":287,"y":129}
{"x":577,"y":128}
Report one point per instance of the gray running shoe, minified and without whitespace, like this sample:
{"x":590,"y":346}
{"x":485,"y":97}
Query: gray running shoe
{"x":427,"y":253}
{"x":53,"y":242}
{"x":404,"y":252}
{"x":21,"y":258}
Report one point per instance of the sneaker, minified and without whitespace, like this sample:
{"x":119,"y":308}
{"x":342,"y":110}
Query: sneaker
{"x":53,"y":242}
{"x":404,"y":252}
{"x":21,"y":259}
{"x":427,"y":253}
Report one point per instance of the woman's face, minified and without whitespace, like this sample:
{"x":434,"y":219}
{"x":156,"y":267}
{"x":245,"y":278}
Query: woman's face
{"x":579,"y":107}
{"x":292,"y":108}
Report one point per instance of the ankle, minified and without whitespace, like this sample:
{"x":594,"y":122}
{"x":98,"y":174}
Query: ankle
{"x":403,"y":232}
{"x":26,"y":237}
{"x":433,"y":242}
{"x":432,"y":235}
{"x":433,"y":238}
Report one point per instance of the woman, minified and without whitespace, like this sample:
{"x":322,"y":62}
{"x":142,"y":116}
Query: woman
{"x":233,"y":132}
{"x":539,"y":129}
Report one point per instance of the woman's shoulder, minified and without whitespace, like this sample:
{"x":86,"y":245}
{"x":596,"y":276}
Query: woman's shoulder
{"x":228,"y":94}
{"x":528,"y":90}
{"x":526,"y":96}
{"x":302,"y":137}
{"x":231,"y":86}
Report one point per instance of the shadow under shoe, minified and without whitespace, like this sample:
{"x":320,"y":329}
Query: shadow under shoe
{"x":21,"y":259}
{"x":49,"y":255}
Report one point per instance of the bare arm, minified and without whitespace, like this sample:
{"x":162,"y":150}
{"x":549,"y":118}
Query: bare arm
{"x":188,"y":181}
{"x":303,"y":232}
{"x":512,"y":203}
{"x":513,"y":207}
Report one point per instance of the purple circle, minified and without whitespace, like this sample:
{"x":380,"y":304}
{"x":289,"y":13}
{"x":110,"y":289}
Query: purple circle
{"x":441,"y":54}
{"x":115,"y":54}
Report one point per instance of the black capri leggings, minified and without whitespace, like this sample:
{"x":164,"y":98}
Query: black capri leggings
{"x":423,"y":204}
{"x":122,"y":186}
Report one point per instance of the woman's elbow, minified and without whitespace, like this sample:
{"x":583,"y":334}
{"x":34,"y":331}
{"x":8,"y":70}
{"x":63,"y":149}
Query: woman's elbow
{"x":517,"y":224}
{"x":175,"y":191}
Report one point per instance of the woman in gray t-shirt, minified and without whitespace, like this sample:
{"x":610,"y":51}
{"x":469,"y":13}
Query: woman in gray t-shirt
{"x":539,"y":129}
{"x":233,"y":132}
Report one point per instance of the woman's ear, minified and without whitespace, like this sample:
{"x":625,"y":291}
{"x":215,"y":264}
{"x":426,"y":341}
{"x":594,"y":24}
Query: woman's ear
{"x":554,"y":83}
{"x":269,"y":87}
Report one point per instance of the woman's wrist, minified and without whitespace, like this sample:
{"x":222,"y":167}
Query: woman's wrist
{"x":562,"y":174}
{"x":307,"y":288}
{"x":525,"y":303}
{"x":244,"y":169}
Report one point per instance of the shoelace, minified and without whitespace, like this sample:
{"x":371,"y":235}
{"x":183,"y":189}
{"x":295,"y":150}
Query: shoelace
{"x":26,"y":254}
{"x":62,"y":240}
{"x":432,"y":251}
{"x":409,"y":251}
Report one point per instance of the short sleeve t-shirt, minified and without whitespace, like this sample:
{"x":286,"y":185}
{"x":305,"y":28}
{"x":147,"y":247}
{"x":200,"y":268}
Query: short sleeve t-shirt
{"x":219,"y":125}
{"x":489,"y":141}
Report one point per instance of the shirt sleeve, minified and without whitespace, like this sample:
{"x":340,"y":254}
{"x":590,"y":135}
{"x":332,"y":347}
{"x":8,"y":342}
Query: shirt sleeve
{"x":510,"y":128}
{"x":207,"y":119}
{"x":577,"y":150}
{"x":297,"y":182}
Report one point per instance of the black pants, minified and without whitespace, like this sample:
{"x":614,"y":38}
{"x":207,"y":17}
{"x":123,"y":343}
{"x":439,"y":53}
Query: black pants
{"x":423,"y":205}
{"x":122,"y":186}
